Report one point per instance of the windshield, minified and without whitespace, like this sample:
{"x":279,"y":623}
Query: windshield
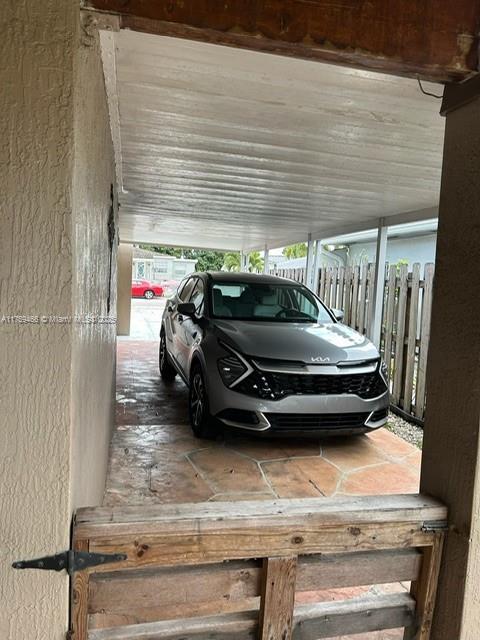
{"x":267,"y":302}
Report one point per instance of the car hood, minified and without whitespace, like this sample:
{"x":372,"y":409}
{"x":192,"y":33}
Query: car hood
{"x":329,"y":343}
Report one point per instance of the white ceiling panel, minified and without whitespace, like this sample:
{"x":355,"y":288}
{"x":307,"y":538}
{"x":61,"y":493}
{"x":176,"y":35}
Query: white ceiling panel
{"x":231,"y":149}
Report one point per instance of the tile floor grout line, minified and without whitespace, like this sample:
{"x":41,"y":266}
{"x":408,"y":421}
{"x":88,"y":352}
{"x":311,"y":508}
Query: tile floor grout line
{"x":212,"y":486}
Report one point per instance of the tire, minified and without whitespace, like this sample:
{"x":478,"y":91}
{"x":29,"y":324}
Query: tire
{"x":167,"y":371}
{"x":148,"y":294}
{"x":203,"y":424}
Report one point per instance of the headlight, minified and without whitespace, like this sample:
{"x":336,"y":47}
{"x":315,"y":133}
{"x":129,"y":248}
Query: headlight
{"x":384,"y":371}
{"x":232,"y":368}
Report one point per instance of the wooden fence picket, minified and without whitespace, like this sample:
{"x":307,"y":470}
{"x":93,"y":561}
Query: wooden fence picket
{"x":424,"y":339}
{"x":405,"y":321}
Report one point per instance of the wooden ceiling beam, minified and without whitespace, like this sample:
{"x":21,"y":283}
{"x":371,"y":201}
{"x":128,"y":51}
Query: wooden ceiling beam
{"x":434,"y":39}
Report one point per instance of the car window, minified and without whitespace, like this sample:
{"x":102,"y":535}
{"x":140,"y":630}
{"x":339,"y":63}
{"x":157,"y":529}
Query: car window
{"x":185,"y":292}
{"x":197,"y":296}
{"x":267,"y":301}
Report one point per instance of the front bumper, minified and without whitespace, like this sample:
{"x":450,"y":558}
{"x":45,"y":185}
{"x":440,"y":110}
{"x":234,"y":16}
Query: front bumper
{"x":323,"y":414}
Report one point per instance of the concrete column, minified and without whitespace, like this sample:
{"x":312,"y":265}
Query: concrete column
{"x":124,"y":291}
{"x":309,"y":269}
{"x":379,"y":284}
{"x":266,"y":265}
{"x":450,"y":457}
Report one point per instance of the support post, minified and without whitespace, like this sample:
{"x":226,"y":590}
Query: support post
{"x":450,"y":456}
{"x":124,"y":291}
{"x":243,"y":261}
{"x":266,"y":266}
{"x":379,"y":284}
{"x":316,"y":265}
{"x":309,"y":270}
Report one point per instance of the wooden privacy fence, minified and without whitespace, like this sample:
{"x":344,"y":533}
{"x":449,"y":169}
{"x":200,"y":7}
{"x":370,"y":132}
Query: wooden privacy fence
{"x":240,"y":571}
{"x":407,"y":305}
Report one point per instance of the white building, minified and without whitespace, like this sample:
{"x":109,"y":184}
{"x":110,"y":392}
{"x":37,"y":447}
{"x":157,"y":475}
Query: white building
{"x":157,"y":267}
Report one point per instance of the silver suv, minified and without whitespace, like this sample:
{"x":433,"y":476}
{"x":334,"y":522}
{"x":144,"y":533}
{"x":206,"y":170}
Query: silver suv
{"x":264,"y":354}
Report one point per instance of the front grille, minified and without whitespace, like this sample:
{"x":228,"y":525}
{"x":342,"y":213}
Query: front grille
{"x":315,"y":421}
{"x":273,"y":386}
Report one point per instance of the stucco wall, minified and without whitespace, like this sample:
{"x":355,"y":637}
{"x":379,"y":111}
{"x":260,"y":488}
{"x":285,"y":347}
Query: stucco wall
{"x":45,"y":268}
{"x":36,"y":159}
{"x":93,"y":348}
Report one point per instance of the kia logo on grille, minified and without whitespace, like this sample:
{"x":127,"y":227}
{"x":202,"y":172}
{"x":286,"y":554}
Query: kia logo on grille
{"x":320,"y":359}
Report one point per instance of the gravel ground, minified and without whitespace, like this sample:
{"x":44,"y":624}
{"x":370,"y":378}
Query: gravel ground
{"x":409,"y":432}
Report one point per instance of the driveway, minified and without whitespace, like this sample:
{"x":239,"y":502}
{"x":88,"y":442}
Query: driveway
{"x":156,"y":459}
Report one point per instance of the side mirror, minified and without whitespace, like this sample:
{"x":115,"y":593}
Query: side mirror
{"x":186,"y":309}
{"x":338,"y":314}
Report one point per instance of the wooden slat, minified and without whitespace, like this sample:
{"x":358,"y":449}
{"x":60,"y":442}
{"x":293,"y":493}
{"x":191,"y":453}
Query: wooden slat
{"x":100,"y":521}
{"x":321,"y":292}
{"x":131,"y":597}
{"x":341,"y":288}
{"x":399,"y":37}
{"x":424,"y":591}
{"x":370,"y":294}
{"x":389,"y":310}
{"x":400,"y":333}
{"x":333,"y":295}
{"x":363,"y":298}
{"x":348,"y":299}
{"x":328,"y":286}
{"x":79,"y":597}
{"x":311,"y":622}
{"x":354,"y":298}
{"x":203,"y":533}
{"x":424,"y":339}
{"x":277,"y":598}
{"x":360,"y":615}
{"x":412,"y":337}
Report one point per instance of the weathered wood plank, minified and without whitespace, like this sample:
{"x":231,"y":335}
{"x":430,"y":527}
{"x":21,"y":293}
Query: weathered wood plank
{"x":333,"y":295}
{"x":360,"y":615}
{"x":436,"y":40}
{"x":424,"y":590}
{"x":311,"y":622}
{"x":424,"y":339}
{"x":347,"y":299}
{"x":400,"y":333}
{"x":79,"y":597}
{"x":389,"y":310}
{"x":354,"y":298}
{"x":92,"y":522}
{"x":277,"y":598}
{"x":412,"y":338}
{"x":205,"y":533}
{"x":363,"y":298}
{"x":135,"y":596}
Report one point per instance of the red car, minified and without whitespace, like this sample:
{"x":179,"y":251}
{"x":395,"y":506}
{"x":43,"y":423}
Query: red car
{"x":145,"y":289}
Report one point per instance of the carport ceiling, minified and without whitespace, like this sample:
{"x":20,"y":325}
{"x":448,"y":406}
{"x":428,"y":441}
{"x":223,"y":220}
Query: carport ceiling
{"x":230,"y":149}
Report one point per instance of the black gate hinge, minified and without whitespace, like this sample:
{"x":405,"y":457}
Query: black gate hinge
{"x":433,"y":527}
{"x":71,"y":561}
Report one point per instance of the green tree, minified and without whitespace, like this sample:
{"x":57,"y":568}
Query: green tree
{"x":231,"y":261}
{"x":206,"y":260}
{"x":298,"y":250}
{"x":255,"y":261}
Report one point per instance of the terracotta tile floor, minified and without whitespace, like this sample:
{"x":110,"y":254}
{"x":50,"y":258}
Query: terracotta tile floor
{"x":155,"y":458}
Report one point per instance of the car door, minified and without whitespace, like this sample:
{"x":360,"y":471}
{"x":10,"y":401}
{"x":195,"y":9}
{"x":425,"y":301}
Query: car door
{"x":176,"y":337}
{"x":136,"y":288}
{"x":192,"y":332}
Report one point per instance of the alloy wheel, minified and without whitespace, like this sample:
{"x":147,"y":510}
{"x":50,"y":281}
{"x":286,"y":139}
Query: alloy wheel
{"x":197,"y":399}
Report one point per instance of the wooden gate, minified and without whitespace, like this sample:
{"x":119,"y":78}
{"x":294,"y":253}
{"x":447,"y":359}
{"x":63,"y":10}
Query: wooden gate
{"x":247,"y":570}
